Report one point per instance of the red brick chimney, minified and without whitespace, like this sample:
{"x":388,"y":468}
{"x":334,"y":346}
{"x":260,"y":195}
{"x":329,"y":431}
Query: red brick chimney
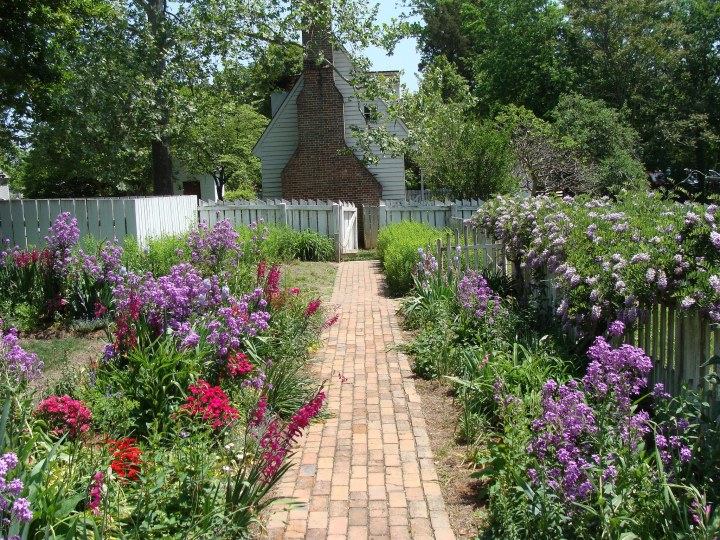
{"x":322,"y":166}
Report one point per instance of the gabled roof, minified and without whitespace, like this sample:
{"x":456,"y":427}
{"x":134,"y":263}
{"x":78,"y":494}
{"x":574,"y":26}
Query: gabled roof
{"x":295,"y":90}
{"x":291,"y":95}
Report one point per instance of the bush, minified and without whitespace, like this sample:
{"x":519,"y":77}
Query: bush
{"x":398,"y":246}
{"x":286,"y":244}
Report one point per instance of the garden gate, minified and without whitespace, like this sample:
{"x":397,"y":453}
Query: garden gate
{"x":334,"y":219}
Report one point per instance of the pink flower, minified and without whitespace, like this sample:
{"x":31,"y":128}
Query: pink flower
{"x":312,"y":308}
{"x":65,"y":415}
{"x":211,"y":404}
{"x":95,"y":493}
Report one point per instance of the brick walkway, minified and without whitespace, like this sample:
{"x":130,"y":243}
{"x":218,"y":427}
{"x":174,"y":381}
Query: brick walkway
{"x":368,"y":471}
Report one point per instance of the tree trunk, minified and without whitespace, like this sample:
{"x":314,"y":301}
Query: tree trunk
{"x":162,"y":167}
{"x":161,"y":157}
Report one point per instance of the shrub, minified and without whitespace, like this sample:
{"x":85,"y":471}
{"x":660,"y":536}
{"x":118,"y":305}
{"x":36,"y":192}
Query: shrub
{"x":398,"y":246}
{"x":285,"y":244}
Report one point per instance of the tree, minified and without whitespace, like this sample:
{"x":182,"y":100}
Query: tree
{"x":457,"y":154}
{"x":518,"y":56}
{"x":34,"y":36}
{"x":220,"y":139}
{"x":603,"y":139}
{"x":546,"y":162}
{"x":443,"y":34}
{"x":510,"y":52}
{"x":144,"y":55}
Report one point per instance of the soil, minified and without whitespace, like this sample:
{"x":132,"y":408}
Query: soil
{"x":463,"y":502}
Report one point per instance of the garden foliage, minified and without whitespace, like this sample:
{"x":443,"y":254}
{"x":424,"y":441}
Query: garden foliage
{"x":184,"y":425}
{"x":565,"y":446}
{"x":612,"y":259}
{"x":397,"y":248}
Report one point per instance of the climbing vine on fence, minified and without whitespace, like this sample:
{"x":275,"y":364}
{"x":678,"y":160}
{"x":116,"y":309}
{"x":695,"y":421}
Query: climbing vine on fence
{"x":610,"y":257}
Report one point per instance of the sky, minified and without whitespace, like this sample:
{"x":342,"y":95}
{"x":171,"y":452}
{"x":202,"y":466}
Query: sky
{"x":405,"y":56}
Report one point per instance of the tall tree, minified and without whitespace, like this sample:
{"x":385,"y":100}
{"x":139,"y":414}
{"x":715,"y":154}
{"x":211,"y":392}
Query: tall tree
{"x":156,"y":49}
{"x":220,"y":139}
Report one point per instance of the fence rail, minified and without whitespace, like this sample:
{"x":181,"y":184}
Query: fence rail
{"x":683,"y":347}
{"x":26,"y":222}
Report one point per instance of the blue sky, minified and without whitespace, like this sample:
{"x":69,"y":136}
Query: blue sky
{"x":405,"y":56}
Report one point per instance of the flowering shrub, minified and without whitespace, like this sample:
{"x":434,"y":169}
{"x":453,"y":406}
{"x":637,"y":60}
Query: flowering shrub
{"x":211,"y":404}
{"x":62,"y":414}
{"x":609,"y":258}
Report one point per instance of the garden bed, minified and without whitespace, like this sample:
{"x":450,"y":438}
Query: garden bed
{"x":180,"y":425}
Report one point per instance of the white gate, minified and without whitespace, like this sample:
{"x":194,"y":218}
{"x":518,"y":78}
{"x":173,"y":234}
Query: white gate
{"x":347,"y":227}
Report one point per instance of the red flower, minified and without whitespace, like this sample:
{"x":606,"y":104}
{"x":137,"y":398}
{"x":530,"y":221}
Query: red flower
{"x":312,"y":308}
{"x":211,"y":404}
{"x":238,"y":365}
{"x":126,"y":461}
{"x":64,"y":414}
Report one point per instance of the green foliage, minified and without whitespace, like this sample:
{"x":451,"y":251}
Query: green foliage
{"x":603,"y":139}
{"x":655,"y":60}
{"x":397,"y":249}
{"x":244,"y":192}
{"x":457,"y":154}
{"x":219,"y":139}
{"x":286,"y":244}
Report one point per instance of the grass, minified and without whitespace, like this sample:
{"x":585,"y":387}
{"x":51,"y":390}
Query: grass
{"x":61,"y":354}
{"x":362,"y":255}
{"x":316,"y":278}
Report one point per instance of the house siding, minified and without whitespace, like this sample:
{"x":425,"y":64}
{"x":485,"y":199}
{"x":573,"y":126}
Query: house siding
{"x":278,"y":144}
{"x":389,"y":171}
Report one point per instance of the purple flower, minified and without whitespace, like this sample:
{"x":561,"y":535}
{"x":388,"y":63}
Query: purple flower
{"x":16,"y":364}
{"x":616,"y":328}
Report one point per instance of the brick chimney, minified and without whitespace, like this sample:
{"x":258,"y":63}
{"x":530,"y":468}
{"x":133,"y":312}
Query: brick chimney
{"x":322,"y":166}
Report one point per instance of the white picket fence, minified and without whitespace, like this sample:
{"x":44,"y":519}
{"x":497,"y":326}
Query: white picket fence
{"x":26,"y":222}
{"x":439,"y":214}
{"x":684,"y":348}
{"x":337,"y":220}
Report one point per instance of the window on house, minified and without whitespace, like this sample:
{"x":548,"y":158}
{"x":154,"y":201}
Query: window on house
{"x":366,"y":113}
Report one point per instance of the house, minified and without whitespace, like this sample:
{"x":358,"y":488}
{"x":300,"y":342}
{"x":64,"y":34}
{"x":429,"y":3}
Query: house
{"x":186,"y":182}
{"x":4,"y":187}
{"x":304,"y":149}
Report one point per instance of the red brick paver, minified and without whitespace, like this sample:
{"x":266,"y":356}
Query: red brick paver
{"x":367,"y":472}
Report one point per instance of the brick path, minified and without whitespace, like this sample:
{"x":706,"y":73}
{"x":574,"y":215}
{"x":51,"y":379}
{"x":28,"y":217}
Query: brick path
{"x":368,"y":471}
